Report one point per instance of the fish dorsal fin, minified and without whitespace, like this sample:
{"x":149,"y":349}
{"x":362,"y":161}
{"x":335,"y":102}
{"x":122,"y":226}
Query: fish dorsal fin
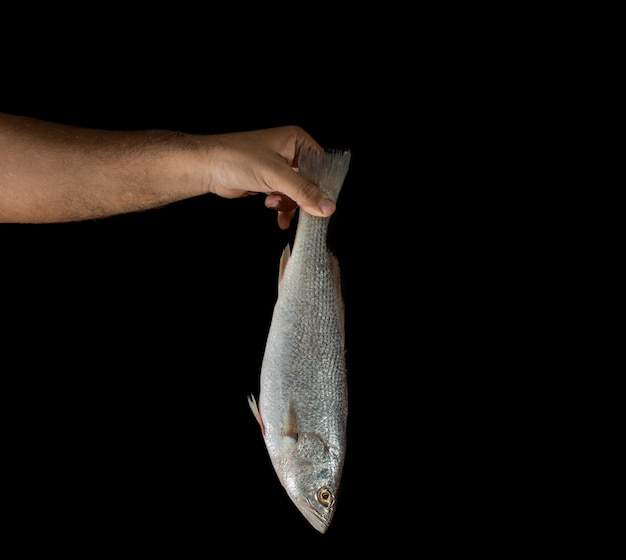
{"x":284,"y":259}
{"x":291,"y":423}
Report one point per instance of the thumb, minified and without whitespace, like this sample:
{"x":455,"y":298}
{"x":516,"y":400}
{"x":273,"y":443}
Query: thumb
{"x":307,"y":195}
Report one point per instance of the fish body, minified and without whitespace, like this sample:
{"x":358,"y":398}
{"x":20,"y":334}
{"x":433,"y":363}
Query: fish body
{"x":303,"y":401}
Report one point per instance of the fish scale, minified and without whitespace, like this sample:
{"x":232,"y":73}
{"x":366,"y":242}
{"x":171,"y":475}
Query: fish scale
{"x":303,"y":400}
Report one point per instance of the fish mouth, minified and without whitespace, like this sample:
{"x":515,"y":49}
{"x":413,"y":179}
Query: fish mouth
{"x":312,"y":516}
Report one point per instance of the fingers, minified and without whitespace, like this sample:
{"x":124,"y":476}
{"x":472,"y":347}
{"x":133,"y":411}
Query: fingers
{"x":286,"y":208}
{"x":284,"y":219}
{"x":280,"y":202}
{"x":298,"y":192}
{"x":266,"y":161}
{"x":313,"y":200}
{"x":284,"y":205}
{"x":304,"y":193}
{"x":291,"y":140}
{"x":291,"y":183}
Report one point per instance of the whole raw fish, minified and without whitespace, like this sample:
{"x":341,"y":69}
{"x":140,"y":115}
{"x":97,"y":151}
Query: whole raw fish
{"x":303,"y":400}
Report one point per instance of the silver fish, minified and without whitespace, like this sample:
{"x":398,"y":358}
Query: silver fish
{"x":303,"y":400}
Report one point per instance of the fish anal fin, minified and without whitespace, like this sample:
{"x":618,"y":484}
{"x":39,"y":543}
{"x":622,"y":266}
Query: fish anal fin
{"x":257,"y":413}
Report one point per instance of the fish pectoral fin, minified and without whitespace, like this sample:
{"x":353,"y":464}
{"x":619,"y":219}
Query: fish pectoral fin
{"x":291,"y":423}
{"x":257,"y":413}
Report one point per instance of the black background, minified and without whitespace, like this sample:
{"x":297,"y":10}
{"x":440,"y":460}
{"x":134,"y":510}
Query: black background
{"x":132,"y":342}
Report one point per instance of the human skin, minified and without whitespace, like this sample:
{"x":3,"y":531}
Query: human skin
{"x":52,"y":172}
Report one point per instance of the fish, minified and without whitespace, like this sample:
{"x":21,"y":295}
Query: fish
{"x":302,"y":408}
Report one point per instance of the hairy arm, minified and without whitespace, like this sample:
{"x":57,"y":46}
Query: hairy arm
{"x":52,"y":172}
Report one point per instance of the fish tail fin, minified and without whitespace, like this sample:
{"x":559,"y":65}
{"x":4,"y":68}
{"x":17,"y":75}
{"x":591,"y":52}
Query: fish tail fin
{"x":327,"y":169}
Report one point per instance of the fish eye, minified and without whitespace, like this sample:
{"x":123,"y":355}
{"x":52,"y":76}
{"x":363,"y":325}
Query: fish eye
{"x":325,"y":496}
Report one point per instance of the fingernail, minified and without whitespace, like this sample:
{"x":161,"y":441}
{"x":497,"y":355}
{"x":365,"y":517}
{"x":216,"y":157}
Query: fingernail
{"x":327,"y":206}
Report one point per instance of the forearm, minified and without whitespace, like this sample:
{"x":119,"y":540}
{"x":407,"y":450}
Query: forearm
{"x":58,"y":173}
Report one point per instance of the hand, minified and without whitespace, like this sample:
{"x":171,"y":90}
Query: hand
{"x":266,"y":161}
{"x":52,"y":172}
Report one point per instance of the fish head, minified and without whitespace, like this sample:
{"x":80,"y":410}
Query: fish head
{"x":310,"y":473}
